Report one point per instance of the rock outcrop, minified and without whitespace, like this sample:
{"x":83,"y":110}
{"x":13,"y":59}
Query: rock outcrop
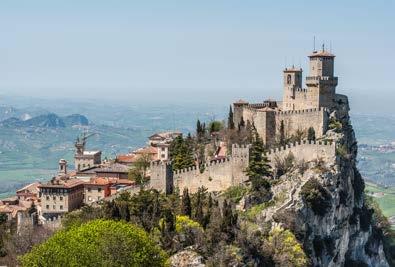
{"x":325,"y":205}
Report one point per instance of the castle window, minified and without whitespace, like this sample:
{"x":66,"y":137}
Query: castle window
{"x":61,"y":207}
{"x":289,"y":79}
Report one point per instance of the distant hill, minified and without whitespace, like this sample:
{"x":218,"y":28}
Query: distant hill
{"x":50,"y":120}
{"x":76,"y":119}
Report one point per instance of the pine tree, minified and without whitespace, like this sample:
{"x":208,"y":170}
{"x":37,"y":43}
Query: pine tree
{"x":311,"y":134}
{"x":198,"y":128}
{"x":258,"y":166}
{"x":231,"y":124}
{"x":199,"y":217}
{"x":186,"y":208}
{"x":282,"y":134}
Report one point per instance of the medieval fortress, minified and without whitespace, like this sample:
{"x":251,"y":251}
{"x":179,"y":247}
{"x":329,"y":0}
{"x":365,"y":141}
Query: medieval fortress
{"x":300,"y":109}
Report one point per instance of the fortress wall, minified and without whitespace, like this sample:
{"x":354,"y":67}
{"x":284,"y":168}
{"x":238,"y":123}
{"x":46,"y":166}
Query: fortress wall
{"x":161,"y":176}
{"x":295,"y":120}
{"x":217,"y":175}
{"x":305,"y":151}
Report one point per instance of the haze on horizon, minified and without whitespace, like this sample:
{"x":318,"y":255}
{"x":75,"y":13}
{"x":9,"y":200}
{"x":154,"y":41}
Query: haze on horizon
{"x":201,"y":51}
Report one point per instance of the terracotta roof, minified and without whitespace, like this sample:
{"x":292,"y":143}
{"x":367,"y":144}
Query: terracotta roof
{"x":33,"y":187}
{"x":69,"y":183}
{"x":126,"y":158}
{"x":321,"y":54}
{"x":146,"y":150}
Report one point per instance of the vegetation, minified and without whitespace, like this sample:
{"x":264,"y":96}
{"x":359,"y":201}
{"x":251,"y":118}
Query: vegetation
{"x":138,"y":173}
{"x":316,"y":197}
{"x":215,"y":126}
{"x":97,"y":243}
{"x":231,"y":124}
{"x":342,"y":151}
{"x":181,"y":153}
{"x":286,"y":251}
{"x":284,"y":165}
{"x":311,"y":134}
{"x":235,"y":193}
{"x":335,"y":124}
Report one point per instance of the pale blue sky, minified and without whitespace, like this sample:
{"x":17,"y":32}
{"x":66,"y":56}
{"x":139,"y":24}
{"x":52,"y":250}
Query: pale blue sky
{"x":200,"y":49}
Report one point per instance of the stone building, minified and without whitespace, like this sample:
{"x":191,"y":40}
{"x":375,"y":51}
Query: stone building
{"x":61,"y":195}
{"x":301,"y":108}
{"x":85,"y":159}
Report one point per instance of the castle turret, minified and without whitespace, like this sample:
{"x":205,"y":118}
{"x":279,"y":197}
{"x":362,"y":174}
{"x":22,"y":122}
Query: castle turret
{"x":292,"y":82}
{"x":321,"y":81}
{"x":62,"y":167}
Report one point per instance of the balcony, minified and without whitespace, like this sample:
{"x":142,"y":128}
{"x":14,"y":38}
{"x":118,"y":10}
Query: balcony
{"x":321,"y":80}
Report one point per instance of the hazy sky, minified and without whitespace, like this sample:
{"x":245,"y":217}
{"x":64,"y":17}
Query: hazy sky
{"x":140,"y":50}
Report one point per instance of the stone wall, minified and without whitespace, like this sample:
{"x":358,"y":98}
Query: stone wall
{"x":217,"y":175}
{"x":301,"y":120}
{"x":305,"y":151}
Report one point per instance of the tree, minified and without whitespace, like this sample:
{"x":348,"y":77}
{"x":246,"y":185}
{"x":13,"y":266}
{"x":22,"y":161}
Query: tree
{"x":215,"y":126}
{"x":97,"y":243}
{"x":311,"y":134}
{"x":231,"y":124}
{"x":181,"y":153}
{"x":138,"y":173}
{"x":285,"y":249}
{"x":186,"y":208}
{"x":241,"y":123}
{"x":282,"y":140}
{"x":258,"y":166}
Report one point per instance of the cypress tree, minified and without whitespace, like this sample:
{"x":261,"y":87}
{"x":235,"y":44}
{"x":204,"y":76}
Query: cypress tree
{"x":186,"y":208}
{"x":258,"y":166}
{"x":282,"y":134}
{"x":311,"y":134}
{"x":231,"y":124}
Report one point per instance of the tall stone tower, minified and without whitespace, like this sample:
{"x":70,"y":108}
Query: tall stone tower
{"x":292,"y":82}
{"x":321,"y":82}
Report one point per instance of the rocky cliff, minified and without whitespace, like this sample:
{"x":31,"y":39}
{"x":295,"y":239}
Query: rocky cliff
{"x":325,"y":206}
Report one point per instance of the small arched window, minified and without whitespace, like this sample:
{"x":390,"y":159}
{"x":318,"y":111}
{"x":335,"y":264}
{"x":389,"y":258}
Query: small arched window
{"x":289,"y":79}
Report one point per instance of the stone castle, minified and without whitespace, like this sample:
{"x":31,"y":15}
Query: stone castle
{"x":300,"y":109}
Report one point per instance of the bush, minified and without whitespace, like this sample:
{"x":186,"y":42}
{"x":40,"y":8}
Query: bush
{"x":334,"y":124}
{"x":285,"y":249}
{"x":97,"y":243}
{"x":316,"y":197}
{"x":235,"y":193}
{"x":342,"y":151}
{"x":284,"y":165}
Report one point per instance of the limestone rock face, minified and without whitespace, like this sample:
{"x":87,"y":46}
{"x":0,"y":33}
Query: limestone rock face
{"x":343,"y":234}
{"x":187,"y":258}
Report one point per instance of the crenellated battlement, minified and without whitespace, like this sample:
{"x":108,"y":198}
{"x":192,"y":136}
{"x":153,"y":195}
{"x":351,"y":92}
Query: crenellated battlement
{"x":301,"y":111}
{"x":302,"y":143}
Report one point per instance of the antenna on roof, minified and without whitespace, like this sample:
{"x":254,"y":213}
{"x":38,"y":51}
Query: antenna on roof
{"x":314,"y":44}
{"x":323,"y":47}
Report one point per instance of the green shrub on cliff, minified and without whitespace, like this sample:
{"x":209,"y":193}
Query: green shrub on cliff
{"x":316,"y":197}
{"x":97,"y":243}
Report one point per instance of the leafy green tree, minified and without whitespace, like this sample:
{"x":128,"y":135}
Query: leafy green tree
{"x":215,"y":126}
{"x":231,"y":124}
{"x":285,"y":249}
{"x":97,"y":243}
{"x":311,"y":134}
{"x":186,"y":207}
